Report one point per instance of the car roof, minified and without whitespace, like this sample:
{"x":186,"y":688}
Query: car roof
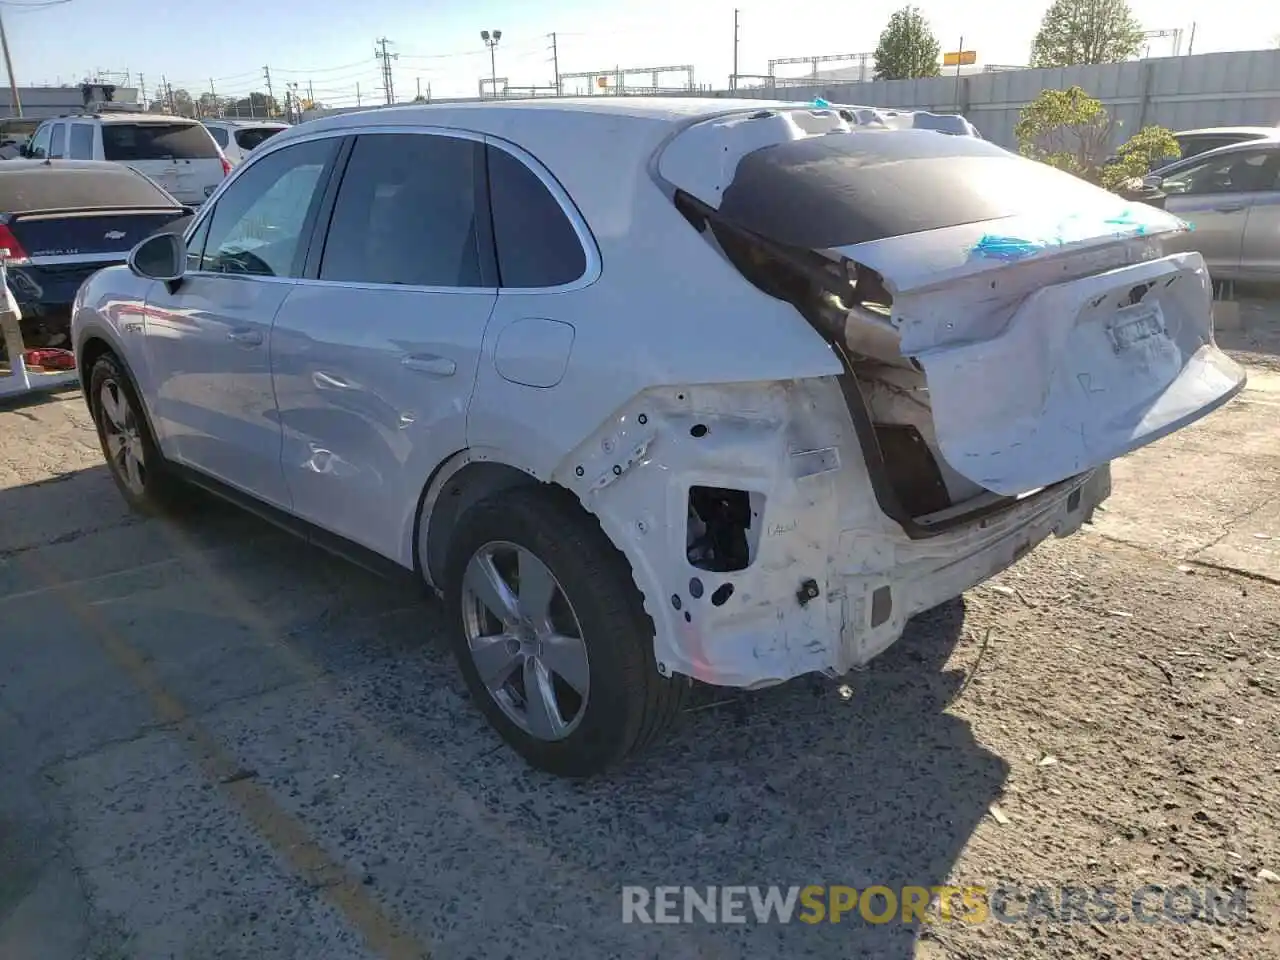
{"x":593,"y":145}
{"x":1260,"y":132}
{"x":242,"y":122}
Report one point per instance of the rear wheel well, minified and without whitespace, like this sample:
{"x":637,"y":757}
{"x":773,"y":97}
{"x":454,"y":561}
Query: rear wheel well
{"x":471,"y":484}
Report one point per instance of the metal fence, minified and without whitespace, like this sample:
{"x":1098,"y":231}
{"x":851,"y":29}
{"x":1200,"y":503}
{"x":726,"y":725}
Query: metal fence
{"x":1182,"y":93}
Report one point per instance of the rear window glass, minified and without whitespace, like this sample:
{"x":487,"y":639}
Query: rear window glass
{"x":219,"y":135}
{"x":248,"y":139}
{"x":60,"y":188}
{"x":843,"y":189}
{"x":157,"y":141}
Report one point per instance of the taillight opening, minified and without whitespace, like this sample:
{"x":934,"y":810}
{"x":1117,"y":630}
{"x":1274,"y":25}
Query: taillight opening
{"x":10,"y":248}
{"x":226,"y":164}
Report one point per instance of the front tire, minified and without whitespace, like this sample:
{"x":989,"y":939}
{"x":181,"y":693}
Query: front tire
{"x":133,"y":457}
{"x":551,"y":635}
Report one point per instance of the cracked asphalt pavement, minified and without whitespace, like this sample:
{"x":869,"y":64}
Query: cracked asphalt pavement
{"x":216,"y":743}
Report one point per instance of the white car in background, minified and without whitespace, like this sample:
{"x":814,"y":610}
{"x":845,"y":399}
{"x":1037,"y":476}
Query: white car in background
{"x":175,"y":152}
{"x":235,"y":138}
{"x":651,"y":391}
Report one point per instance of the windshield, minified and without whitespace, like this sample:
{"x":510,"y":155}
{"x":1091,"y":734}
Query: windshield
{"x":252,"y":137}
{"x":157,"y":141}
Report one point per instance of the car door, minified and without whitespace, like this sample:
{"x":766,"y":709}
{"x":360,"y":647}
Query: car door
{"x":208,"y":337}
{"x":374,"y":354}
{"x":1260,"y":251}
{"x":1213,"y":195}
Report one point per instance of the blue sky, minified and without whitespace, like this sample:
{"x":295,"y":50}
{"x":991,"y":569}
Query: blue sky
{"x":331,"y":46}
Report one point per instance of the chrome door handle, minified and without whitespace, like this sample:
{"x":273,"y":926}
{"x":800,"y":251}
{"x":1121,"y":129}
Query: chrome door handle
{"x":251,"y":338}
{"x":429,"y":363}
{"x":1230,"y":208}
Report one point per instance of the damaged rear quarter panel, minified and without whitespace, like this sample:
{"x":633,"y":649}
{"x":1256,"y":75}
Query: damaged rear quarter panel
{"x":790,"y":445}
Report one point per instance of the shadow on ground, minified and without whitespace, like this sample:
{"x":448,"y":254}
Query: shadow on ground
{"x":305,"y":667}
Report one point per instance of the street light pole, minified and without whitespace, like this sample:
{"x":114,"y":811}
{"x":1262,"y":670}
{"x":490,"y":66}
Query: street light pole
{"x":491,"y":41}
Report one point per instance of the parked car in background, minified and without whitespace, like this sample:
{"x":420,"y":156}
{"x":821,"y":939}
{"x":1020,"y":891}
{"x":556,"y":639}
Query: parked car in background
{"x":60,"y":221}
{"x":1192,"y":143}
{"x":1231,"y":196}
{"x":177,"y":153}
{"x":235,"y":138}
{"x":650,"y":390}
{"x":1195,"y":142}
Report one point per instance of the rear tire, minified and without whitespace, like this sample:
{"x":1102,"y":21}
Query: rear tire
{"x":133,"y":457}
{"x":571,"y":705}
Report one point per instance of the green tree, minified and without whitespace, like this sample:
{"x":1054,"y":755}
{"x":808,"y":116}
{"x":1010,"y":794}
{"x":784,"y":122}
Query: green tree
{"x":907,"y":47}
{"x":1134,"y":160}
{"x":1070,"y":130}
{"x":1086,"y":31}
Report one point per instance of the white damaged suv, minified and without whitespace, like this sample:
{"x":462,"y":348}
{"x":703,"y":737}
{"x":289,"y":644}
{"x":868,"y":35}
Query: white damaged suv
{"x":651,"y":391}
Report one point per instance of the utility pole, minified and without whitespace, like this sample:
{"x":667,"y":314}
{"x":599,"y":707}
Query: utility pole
{"x":166,"y":92}
{"x":142,"y":89}
{"x":357,"y":93}
{"x":213,"y":99}
{"x":418,"y":81}
{"x":733,"y":81}
{"x":1191,"y":45}
{"x":959,"y":60}
{"x":14,"y":100}
{"x":311,"y":93}
{"x":380,"y":53}
{"x":271,"y":97}
{"x":555,"y":64}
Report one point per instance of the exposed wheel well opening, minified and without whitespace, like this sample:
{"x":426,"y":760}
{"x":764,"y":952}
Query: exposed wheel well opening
{"x":473,"y":483}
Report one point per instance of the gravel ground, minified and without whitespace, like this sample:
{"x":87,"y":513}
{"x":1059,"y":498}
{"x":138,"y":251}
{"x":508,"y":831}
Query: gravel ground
{"x":215,"y":743}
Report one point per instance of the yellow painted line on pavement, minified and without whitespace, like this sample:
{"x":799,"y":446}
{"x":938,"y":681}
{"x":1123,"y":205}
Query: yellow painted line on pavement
{"x":282,"y":831}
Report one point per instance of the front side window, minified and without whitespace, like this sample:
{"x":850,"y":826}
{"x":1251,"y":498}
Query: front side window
{"x":40,"y":142}
{"x":406,"y":213}
{"x":261,"y":220}
{"x":81,"y":141}
{"x":58,"y":145}
{"x":537,"y":245}
{"x":1242,"y":172}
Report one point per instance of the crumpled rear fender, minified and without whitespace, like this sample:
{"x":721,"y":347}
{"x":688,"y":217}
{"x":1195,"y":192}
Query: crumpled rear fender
{"x":791,"y":446}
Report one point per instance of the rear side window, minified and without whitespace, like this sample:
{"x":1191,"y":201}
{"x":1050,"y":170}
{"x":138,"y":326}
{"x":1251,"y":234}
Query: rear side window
{"x":125,"y":142}
{"x":406,"y":213}
{"x":81,"y":141}
{"x":537,"y":245}
{"x":250,"y":138}
{"x":219,"y":135}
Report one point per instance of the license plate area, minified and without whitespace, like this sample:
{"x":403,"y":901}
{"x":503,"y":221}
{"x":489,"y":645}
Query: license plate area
{"x":1134,"y":325}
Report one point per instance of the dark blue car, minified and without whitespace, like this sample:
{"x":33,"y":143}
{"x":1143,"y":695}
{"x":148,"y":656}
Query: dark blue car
{"x":62,"y":220}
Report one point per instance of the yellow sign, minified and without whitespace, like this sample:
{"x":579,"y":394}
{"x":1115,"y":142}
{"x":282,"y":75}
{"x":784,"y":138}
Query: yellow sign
{"x":961,"y":58}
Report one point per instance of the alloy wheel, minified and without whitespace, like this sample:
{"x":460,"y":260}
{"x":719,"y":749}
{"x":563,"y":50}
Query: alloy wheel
{"x":525,"y":640}
{"x":122,"y":437}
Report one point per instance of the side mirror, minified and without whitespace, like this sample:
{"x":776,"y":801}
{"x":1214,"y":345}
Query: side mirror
{"x":162,"y":256}
{"x":1153,"y":182}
